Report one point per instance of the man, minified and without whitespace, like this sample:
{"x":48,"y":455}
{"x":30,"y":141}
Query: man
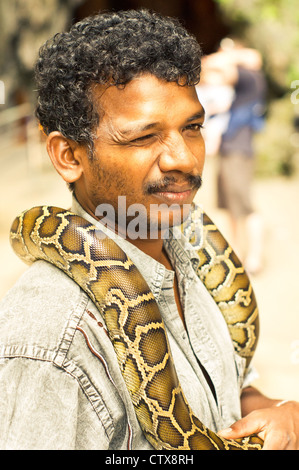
{"x":118,"y":104}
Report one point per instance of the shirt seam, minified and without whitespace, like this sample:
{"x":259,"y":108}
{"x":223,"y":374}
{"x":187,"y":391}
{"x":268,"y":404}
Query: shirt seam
{"x":77,"y":374}
{"x":61,"y":360}
{"x":70,"y":329}
{"x":86,"y":386}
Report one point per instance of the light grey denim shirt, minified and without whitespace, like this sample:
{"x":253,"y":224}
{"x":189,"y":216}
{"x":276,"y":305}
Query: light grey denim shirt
{"x":60,"y":383}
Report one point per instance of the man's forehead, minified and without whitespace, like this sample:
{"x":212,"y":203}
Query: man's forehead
{"x":146,"y":96}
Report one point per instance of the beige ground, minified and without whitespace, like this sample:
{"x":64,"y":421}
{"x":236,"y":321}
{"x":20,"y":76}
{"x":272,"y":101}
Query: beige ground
{"x":24,"y":183}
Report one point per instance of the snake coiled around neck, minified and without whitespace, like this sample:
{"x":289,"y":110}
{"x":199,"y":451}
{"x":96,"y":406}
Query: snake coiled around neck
{"x":133,"y":320}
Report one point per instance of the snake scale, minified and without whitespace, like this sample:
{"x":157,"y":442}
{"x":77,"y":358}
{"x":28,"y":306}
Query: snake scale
{"x":133,"y":319}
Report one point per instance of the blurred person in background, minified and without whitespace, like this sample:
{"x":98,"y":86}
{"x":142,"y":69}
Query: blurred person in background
{"x":237,"y":86}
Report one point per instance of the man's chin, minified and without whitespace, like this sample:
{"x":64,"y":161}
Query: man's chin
{"x":162,"y":222}
{"x":140,"y":222}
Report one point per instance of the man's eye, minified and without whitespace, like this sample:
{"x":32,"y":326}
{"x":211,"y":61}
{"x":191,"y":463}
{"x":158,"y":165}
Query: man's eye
{"x":194,"y":127}
{"x":144,"y":138}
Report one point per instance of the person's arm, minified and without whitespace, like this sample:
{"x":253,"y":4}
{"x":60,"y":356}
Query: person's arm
{"x":44,"y":408}
{"x":252,"y":399}
{"x":275,"y":421}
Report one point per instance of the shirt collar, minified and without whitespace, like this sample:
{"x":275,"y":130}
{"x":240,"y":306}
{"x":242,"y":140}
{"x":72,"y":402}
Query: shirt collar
{"x":183,"y":248}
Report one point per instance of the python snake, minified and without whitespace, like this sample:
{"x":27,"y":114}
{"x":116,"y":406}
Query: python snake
{"x":133,"y":319}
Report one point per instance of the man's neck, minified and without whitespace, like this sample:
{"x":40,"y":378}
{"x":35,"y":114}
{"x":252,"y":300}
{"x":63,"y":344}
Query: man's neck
{"x":151,"y":247}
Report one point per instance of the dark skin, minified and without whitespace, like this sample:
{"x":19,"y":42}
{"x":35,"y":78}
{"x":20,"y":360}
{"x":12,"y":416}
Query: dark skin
{"x":150,"y":129}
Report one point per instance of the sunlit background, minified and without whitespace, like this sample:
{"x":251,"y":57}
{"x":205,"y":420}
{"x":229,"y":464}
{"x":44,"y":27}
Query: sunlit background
{"x":27,"y":178}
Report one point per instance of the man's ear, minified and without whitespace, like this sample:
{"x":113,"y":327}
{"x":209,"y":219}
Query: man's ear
{"x":65,"y":155}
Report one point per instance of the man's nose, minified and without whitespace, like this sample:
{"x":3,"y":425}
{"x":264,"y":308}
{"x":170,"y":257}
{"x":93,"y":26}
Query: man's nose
{"x":177,"y":156}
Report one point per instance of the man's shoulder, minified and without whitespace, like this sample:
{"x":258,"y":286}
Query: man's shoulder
{"x":38,"y":307}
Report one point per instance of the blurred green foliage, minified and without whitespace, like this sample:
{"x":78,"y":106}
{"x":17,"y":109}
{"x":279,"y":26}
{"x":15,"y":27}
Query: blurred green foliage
{"x":277,"y":146}
{"x":272,"y":26}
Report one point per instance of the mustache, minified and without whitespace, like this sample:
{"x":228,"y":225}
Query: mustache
{"x":195,"y":181}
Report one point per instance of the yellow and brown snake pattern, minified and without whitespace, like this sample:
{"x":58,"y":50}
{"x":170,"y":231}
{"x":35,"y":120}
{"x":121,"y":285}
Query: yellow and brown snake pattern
{"x":133,"y":318}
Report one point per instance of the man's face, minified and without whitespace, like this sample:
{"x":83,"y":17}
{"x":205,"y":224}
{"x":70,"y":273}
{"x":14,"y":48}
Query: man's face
{"x":148,"y":146}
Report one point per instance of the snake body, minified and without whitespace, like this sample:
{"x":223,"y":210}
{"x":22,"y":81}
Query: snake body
{"x":133,"y":319}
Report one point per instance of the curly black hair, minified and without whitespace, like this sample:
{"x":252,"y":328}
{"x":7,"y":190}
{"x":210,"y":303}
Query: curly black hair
{"x":110,"y":47}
